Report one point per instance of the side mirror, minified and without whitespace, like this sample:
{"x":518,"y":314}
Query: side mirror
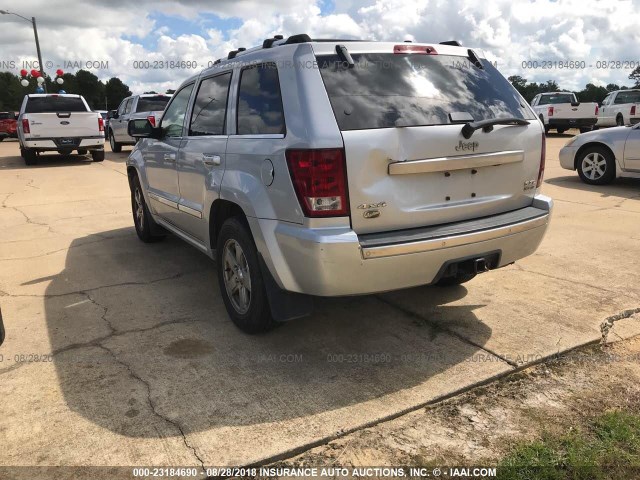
{"x":142,"y":128}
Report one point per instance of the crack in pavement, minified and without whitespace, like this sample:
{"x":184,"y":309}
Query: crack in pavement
{"x":519,"y":267}
{"x":440,"y":328}
{"x":607,"y":324}
{"x":153,"y":407}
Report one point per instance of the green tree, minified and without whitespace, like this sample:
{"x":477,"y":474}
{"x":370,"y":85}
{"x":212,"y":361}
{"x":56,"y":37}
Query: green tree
{"x":91,"y":88}
{"x":592,"y":93}
{"x":115,"y":91}
{"x":635,"y":76}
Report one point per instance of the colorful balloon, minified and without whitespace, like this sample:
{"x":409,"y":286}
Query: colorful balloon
{"x":23,"y":73}
{"x":59,"y":72}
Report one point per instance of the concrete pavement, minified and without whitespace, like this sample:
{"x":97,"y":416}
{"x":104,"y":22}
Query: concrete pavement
{"x":121,"y":353}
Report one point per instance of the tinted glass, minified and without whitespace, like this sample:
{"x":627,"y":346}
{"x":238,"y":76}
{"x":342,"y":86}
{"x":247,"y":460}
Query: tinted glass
{"x":173,"y":118}
{"x":556,"y":99}
{"x":385,"y":90}
{"x":152,"y":104}
{"x":628,"y":97}
{"x":259,"y":101}
{"x":210,"y":107}
{"x":5,"y":116}
{"x":54,"y":104}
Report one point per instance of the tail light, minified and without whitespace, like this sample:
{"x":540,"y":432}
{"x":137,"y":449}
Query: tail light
{"x":543,"y":157}
{"x":597,"y":109}
{"x":152,"y":120}
{"x":633,"y":110}
{"x":25,"y":126}
{"x":100,"y":124}
{"x":320,"y":180}
{"x":550,"y":112}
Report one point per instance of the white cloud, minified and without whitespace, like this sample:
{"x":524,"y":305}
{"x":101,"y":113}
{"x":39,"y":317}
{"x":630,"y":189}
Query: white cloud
{"x":511,"y":31}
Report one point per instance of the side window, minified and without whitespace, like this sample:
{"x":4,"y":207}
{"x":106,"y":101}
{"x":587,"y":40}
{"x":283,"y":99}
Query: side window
{"x":127,"y":108}
{"x":259,"y":101}
{"x":210,"y":107}
{"x":122,"y":106}
{"x":606,"y":100}
{"x":173,"y":118}
{"x":535,"y":101}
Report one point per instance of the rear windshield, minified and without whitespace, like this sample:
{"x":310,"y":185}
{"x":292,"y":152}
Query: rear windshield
{"x":151,"y":104}
{"x":6,"y":116}
{"x":555,"y":99}
{"x":385,"y":90}
{"x":55,"y":104}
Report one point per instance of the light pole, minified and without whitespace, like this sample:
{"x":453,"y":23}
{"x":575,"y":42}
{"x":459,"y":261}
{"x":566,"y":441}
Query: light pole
{"x":35,"y":33}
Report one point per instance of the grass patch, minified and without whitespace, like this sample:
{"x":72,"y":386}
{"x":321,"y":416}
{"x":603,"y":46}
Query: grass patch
{"x":607,"y":448}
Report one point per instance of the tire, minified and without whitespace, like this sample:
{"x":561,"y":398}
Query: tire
{"x":585,"y":129}
{"x":561,"y":130}
{"x":596,"y":166}
{"x":547,"y":129}
{"x":65,"y":151}
{"x":457,"y":280}
{"x":145,"y":225}
{"x":115,"y":146}
{"x":619,"y":121}
{"x":30,"y":157}
{"x":82,"y":151}
{"x":240,"y":279}
{"x":97,"y":155}
{"x":2,"y":138}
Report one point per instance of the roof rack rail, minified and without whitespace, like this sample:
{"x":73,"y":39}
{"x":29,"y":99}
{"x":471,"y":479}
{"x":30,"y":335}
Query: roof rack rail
{"x":455,"y":43}
{"x":321,"y":40}
{"x":299,"y":38}
{"x":268,"y":42}
{"x":233,"y":53}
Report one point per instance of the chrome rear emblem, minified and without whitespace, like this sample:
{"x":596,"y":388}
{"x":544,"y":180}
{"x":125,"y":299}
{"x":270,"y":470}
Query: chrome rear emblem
{"x":364,"y":206}
{"x":371,"y":214}
{"x":529,"y":185}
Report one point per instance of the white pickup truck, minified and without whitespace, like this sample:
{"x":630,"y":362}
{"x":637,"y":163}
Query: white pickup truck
{"x":562,"y":111}
{"x":619,"y":108}
{"x":59,"y":123}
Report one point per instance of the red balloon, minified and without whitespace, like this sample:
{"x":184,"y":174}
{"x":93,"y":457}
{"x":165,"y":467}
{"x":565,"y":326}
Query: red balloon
{"x":34,"y":73}
{"x":59,"y":72}
{"x":23,"y":73}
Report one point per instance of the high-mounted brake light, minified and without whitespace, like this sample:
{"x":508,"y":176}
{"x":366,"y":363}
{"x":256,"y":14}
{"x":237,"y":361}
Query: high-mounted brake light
{"x":320,"y":180}
{"x":633,"y":110}
{"x":100,"y":124}
{"x":543,"y":157}
{"x":597,"y":109}
{"x":550,"y":112}
{"x":25,"y":126}
{"x":408,"y":48}
{"x":152,"y":120}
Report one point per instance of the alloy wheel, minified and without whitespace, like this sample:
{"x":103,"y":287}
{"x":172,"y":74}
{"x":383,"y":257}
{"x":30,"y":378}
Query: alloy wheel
{"x":236,"y":275}
{"x":594,"y":166}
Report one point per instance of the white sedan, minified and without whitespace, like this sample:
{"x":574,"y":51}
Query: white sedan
{"x":603,"y":155}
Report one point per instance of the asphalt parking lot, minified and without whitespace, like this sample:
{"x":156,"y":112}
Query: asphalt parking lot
{"x":121,"y":353}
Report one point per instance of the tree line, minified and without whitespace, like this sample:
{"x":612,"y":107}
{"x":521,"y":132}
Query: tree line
{"x":98,"y":94}
{"x":590,"y":93}
{"x":108,"y":95}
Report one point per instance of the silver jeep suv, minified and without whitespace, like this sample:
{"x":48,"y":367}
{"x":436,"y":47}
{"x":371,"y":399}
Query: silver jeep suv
{"x":335,"y":167}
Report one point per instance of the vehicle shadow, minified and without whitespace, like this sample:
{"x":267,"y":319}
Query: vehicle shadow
{"x":563,"y":135}
{"x":147,"y":326}
{"x":48,"y":160}
{"x":623,"y":187}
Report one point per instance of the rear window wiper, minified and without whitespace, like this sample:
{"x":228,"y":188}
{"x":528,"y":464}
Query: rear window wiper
{"x":487,"y":125}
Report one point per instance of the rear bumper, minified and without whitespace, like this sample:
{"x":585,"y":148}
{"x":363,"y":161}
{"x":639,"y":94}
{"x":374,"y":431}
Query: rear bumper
{"x":44,"y":144}
{"x":572,"y":122}
{"x":634,"y":120}
{"x":336,"y":261}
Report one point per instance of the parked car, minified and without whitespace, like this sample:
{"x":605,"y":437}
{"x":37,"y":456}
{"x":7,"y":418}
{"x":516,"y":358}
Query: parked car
{"x":105,"y":118}
{"x":60,"y":123}
{"x":562,"y":111}
{"x":149,"y":105}
{"x":603,"y":155}
{"x":346,"y":179}
{"x":8,"y":125}
{"x":620,"y":108}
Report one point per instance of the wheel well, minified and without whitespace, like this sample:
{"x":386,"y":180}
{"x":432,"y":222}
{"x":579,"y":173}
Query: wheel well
{"x":589,"y":145}
{"x":131,"y":172}
{"x":221,"y":210}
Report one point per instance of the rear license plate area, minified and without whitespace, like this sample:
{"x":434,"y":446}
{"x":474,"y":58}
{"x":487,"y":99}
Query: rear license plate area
{"x":66,"y":141}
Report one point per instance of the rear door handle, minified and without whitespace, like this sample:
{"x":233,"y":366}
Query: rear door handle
{"x":170,"y":157}
{"x":211,"y":160}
